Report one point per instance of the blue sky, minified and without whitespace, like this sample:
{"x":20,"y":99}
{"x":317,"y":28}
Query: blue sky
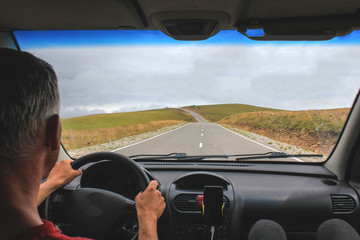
{"x":44,"y":39}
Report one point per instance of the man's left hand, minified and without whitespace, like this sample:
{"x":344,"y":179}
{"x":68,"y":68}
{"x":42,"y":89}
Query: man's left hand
{"x":61,"y":174}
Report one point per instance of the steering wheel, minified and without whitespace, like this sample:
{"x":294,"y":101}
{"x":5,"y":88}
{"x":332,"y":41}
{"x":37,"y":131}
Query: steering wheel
{"x":98,"y":213}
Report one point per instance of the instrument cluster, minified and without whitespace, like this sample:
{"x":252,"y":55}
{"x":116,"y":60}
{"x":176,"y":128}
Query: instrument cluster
{"x":112,"y":177}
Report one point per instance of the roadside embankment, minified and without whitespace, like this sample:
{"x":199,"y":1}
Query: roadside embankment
{"x":97,"y":129}
{"x":314,"y":130}
{"x":123,"y":142}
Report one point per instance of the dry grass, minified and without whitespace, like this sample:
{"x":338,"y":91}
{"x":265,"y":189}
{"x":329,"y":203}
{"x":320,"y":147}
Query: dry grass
{"x":74,"y":139}
{"x":314,"y":130}
{"x":96,"y":129}
{"x":312,"y":121}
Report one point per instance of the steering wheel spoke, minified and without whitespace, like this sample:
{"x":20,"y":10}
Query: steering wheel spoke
{"x":130,"y":206}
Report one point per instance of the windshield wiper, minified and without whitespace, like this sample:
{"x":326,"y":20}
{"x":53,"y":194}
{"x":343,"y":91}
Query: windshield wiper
{"x":272,"y":155}
{"x":239,"y":157}
{"x":176,"y":156}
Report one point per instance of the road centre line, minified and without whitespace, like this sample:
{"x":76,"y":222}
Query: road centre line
{"x":255,"y":141}
{"x":200,"y":145}
{"x":150,"y":138}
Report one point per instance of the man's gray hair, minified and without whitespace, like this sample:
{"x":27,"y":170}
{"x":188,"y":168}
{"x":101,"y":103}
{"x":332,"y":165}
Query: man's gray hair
{"x":29,"y":95}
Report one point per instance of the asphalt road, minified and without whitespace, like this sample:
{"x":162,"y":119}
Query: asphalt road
{"x":201,"y":138}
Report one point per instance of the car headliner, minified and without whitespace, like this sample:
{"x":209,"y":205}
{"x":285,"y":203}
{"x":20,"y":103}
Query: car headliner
{"x":279,"y":17}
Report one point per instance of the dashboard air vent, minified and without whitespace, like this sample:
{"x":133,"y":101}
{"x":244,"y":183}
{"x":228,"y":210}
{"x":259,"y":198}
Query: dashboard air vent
{"x":342,"y":203}
{"x":186,"y":202}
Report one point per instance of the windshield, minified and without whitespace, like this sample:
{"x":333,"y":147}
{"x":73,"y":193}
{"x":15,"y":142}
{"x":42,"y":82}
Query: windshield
{"x":141,"y":92}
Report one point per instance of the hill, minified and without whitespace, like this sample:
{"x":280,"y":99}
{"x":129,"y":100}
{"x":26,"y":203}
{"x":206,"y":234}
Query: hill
{"x":100,"y":128}
{"x":215,"y":113}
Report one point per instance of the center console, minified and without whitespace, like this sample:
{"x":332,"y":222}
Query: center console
{"x":187,"y":206}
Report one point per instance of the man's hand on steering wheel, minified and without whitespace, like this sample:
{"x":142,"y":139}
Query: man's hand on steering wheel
{"x":149,"y":206}
{"x":61,"y":174}
{"x":102,"y":214}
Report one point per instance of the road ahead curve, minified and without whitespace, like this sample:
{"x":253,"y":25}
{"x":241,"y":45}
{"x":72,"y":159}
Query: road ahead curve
{"x":198,"y":117}
{"x":200,"y":138}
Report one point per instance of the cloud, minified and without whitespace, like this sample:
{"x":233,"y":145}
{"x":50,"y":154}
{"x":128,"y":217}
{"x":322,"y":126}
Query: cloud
{"x":112,"y":79}
{"x":80,"y":111}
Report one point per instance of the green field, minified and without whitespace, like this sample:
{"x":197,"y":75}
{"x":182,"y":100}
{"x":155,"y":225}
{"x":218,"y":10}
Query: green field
{"x":92,"y":130}
{"x":124,"y":119}
{"x":215,"y":113}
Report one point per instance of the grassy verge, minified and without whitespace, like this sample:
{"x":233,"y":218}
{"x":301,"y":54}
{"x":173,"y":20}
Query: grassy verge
{"x":124,"y":119}
{"x":215,"y":113}
{"x":101,"y":128}
{"x":315,"y":130}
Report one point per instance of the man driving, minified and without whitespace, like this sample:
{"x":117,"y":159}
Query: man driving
{"x":30,"y":133}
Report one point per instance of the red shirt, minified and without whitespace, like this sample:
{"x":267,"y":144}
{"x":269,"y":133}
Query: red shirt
{"x":46,"y":231}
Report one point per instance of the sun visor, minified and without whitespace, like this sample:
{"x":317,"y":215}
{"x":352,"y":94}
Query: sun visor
{"x":300,"y":29}
{"x":69,"y":15}
{"x":190,"y":25}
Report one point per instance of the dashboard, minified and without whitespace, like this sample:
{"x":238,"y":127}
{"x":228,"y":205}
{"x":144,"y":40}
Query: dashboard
{"x":297,"y":196}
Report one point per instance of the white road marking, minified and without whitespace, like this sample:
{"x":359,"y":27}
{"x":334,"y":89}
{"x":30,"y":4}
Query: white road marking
{"x":200,"y":145}
{"x":202,"y":134}
{"x":149,"y":138}
{"x":255,"y":141}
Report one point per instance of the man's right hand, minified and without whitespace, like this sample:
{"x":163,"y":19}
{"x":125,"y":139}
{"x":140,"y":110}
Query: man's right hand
{"x":149,"y":206}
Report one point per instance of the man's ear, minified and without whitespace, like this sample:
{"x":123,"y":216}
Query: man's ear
{"x":53,"y":132}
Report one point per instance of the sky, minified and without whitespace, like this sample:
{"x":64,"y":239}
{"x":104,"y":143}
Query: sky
{"x":104,"y":72}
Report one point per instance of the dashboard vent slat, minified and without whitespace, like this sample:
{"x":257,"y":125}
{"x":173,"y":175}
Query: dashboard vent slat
{"x":342,"y":203}
{"x":223,"y":165}
{"x":168,"y":164}
{"x":186,"y":202}
{"x":198,"y":164}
